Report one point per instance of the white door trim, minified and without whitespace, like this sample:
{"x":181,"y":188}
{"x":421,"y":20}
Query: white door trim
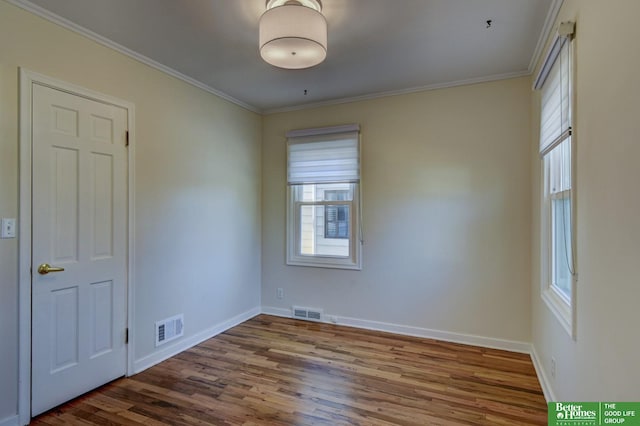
{"x":27,"y":79}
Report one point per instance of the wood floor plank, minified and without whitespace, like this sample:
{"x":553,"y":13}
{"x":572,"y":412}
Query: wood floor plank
{"x":280,"y":372}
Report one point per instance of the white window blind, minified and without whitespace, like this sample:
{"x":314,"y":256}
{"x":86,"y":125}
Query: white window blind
{"x":555,"y":82}
{"x":327,"y":155}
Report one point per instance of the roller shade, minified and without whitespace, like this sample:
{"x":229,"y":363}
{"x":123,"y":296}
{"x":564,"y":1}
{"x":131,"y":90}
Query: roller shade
{"x":327,"y":155}
{"x":555,"y":81}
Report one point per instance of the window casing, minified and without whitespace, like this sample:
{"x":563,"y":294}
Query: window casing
{"x":558,"y":263}
{"x":323,"y":202}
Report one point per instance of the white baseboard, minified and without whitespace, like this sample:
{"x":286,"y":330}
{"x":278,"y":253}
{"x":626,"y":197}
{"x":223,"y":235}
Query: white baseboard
{"x":467,"y":339}
{"x":10,"y":421}
{"x":278,"y":312}
{"x":182,"y":345}
{"x":549,"y":395}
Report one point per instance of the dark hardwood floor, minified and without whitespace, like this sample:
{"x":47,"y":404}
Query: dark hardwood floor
{"x":277,"y":371}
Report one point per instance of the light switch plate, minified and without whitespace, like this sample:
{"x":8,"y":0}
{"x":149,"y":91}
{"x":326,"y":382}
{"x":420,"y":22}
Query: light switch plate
{"x":8,"y":228}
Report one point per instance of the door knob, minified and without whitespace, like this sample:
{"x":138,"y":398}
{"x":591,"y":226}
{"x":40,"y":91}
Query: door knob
{"x":45,"y":268}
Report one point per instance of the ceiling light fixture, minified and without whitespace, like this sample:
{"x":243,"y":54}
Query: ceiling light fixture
{"x":293,"y":34}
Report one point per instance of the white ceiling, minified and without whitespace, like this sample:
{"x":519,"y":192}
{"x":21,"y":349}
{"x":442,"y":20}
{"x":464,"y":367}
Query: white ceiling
{"x":375,"y":46}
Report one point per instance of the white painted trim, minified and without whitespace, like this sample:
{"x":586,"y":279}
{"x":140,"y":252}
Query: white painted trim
{"x":132,"y":246}
{"x":561,"y":310}
{"x":467,"y":339}
{"x":27,"y":79}
{"x":56,"y":19}
{"x":24,"y":252}
{"x":278,"y":312}
{"x":184,"y":344}
{"x":345,"y":128}
{"x":429,"y":87}
{"x":10,"y":421}
{"x":549,"y":395}
{"x":547,"y":28}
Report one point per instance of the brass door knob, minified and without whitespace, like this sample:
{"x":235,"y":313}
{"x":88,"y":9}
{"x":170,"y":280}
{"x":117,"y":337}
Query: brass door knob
{"x":45,"y":268}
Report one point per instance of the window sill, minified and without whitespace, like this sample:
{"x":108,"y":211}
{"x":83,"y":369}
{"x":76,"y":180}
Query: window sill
{"x":320,"y":262}
{"x":561,"y":309}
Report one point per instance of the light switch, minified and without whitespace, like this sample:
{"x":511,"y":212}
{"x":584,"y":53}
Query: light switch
{"x":8,"y":228}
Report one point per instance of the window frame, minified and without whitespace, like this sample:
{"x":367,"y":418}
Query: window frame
{"x":294,"y":216}
{"x":563,"y":307}
{"x":294,"y":249}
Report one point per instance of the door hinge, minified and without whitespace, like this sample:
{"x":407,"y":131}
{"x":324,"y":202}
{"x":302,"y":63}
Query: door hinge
{"x":126,"y":143}
{"x":126,"y":336}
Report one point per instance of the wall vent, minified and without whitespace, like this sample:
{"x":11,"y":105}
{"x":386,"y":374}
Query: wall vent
{"x":309,"y":314}
{"x":169,"y":329}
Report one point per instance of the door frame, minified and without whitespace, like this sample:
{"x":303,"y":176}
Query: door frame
{"x":27,"y":80}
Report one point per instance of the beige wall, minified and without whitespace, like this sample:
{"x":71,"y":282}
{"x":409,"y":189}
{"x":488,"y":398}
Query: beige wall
{"x":602,"y":364}
{"x":8,"y":248}
{"x":197,"y":165}
{"x":446,"y":195}
{"x":450,"y":186}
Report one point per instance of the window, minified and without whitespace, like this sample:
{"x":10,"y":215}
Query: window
{"x":323,"y":203}
{"x":559,"y":194}
{"x":336,"y":221}
{"x":556,"y":151}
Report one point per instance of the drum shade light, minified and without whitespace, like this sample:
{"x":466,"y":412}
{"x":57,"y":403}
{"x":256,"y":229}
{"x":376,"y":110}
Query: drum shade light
{"x":293,"y":34}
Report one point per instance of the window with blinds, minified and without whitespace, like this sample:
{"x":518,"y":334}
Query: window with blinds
{"x":555,"y":83}
{"x":323,"y":180}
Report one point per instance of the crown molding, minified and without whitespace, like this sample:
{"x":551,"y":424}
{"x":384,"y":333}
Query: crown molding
{"x":547,"y":28}
{"x":486,"y":79}
{"x":56,"y":19}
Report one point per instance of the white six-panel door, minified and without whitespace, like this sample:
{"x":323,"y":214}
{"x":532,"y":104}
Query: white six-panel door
{"x":79,"y":222}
